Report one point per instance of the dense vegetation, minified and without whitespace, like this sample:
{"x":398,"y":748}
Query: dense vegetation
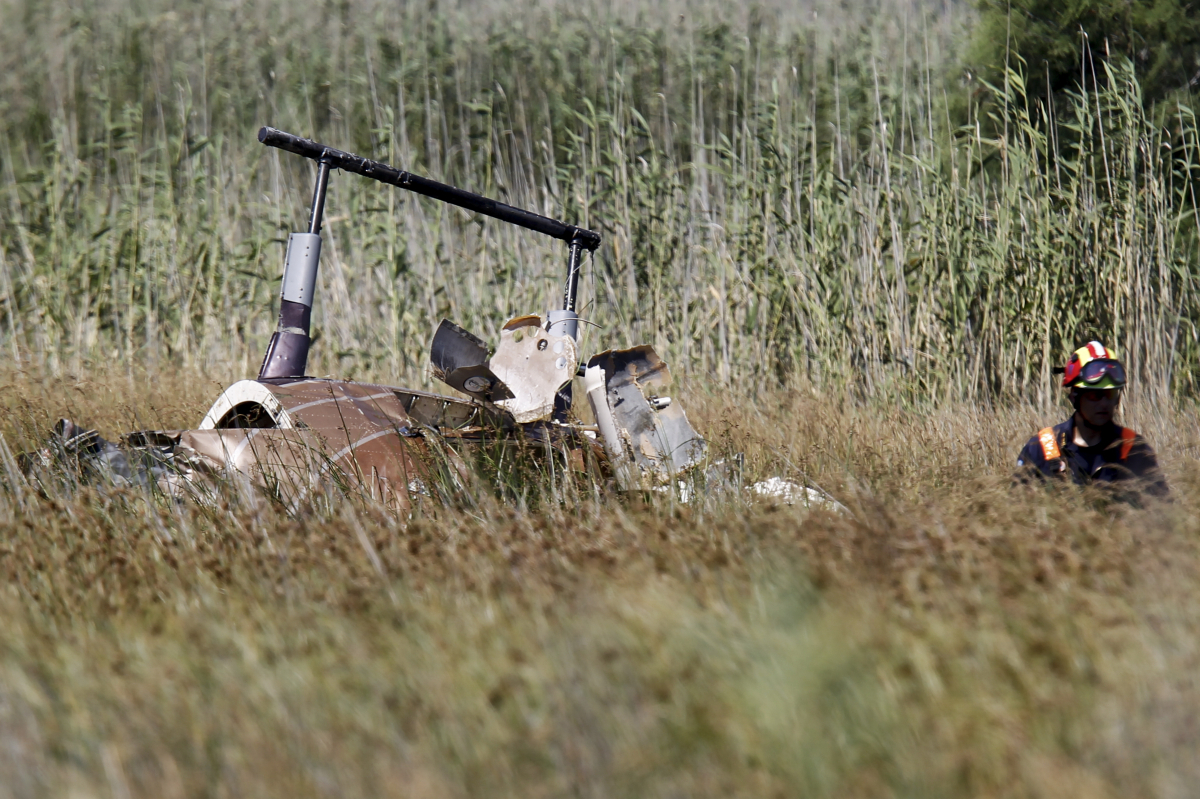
{"x":783,"y":193}
{"x":1060,"y":42}
{"x":946,"y":638}
{"x":812,"y":210}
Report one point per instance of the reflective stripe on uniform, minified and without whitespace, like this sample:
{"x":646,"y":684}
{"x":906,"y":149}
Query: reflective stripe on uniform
{"x":1127,"y":438}
{"x":1049,"y":444}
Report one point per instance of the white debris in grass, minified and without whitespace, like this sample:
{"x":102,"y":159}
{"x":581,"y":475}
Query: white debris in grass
{"x":777,"y":489}
{"x":792,"y":493}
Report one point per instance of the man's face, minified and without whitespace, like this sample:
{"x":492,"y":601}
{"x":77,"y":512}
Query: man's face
{"x":1097,"y":405}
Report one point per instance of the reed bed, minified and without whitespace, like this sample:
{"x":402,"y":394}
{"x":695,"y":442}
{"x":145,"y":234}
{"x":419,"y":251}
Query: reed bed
{"x":860,"y":263}
{"x":789,"y":194}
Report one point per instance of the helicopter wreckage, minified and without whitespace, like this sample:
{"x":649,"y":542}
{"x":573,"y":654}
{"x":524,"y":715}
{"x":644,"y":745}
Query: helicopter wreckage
{"x":293,"y":434}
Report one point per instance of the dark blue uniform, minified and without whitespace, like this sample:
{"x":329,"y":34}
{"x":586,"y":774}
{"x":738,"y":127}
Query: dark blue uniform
{"x":1122,"y":456}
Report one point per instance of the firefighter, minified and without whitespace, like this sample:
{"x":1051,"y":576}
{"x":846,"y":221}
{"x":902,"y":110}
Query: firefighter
{"x":1089,"y":447}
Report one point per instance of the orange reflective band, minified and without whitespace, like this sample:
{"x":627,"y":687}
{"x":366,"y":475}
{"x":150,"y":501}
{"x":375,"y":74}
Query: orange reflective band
{"x":1049,"y":445}
{"x":1127,"y":437}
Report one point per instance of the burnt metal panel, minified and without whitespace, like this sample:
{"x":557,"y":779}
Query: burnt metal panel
{"x":459,"y":360}
{"x":654,"y":429}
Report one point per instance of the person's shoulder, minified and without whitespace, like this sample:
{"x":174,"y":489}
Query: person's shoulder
{"x":1062,"y":428}
{"x":1132,"y":440}
{"x":1051,"y":438}
{"x":1044,"y":445}
{"x":1034,"y":451}
{"x":1139,"y":458}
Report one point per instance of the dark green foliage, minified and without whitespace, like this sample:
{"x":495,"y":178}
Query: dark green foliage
{"x":1160,"y":37}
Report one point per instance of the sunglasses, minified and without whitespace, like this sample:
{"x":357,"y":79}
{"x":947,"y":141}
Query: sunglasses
{"x":1097,"y":394}
{"x":1094,"y":371}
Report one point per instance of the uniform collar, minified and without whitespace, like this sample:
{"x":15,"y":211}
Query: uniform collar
{"x":1108,"y":434}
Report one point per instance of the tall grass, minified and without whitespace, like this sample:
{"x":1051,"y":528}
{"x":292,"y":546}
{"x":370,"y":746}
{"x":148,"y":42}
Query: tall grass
{"x":794,"y":210}
{"x":783,"y":190}
{"x":947,"y":637}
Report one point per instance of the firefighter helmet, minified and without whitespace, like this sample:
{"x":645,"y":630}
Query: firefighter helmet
{"x":1094,"y":366}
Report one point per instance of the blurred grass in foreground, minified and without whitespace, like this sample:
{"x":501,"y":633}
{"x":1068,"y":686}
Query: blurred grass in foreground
{"x":947,"y":638}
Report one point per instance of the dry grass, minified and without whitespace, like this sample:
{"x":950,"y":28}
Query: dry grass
{"x":786,"y":201}
{"x":949,"y":637}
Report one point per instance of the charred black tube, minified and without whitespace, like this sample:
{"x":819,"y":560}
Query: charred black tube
{"x":383,"y":173}
{"x":573,"y":263}
{"x":287,"y":353}
{"x":318,"y":204}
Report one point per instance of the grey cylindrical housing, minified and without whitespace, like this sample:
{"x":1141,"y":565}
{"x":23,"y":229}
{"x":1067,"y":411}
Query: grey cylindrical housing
{"x":300,"y":268}
{"x":563,"y":323}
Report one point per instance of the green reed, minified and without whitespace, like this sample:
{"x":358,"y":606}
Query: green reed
{"x":785,"y":194}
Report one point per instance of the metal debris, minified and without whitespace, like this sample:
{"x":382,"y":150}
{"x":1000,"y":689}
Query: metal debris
{"x":534,"y":365}
{"x":791,"y":493}
{"x":638,"y":419}
{"x":291,"y":434}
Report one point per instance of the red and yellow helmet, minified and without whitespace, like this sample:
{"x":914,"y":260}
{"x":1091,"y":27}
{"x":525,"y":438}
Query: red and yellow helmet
{"x":1094,"y":366}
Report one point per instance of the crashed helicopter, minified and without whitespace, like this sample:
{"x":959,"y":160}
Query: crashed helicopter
{"x":291,"y":433}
